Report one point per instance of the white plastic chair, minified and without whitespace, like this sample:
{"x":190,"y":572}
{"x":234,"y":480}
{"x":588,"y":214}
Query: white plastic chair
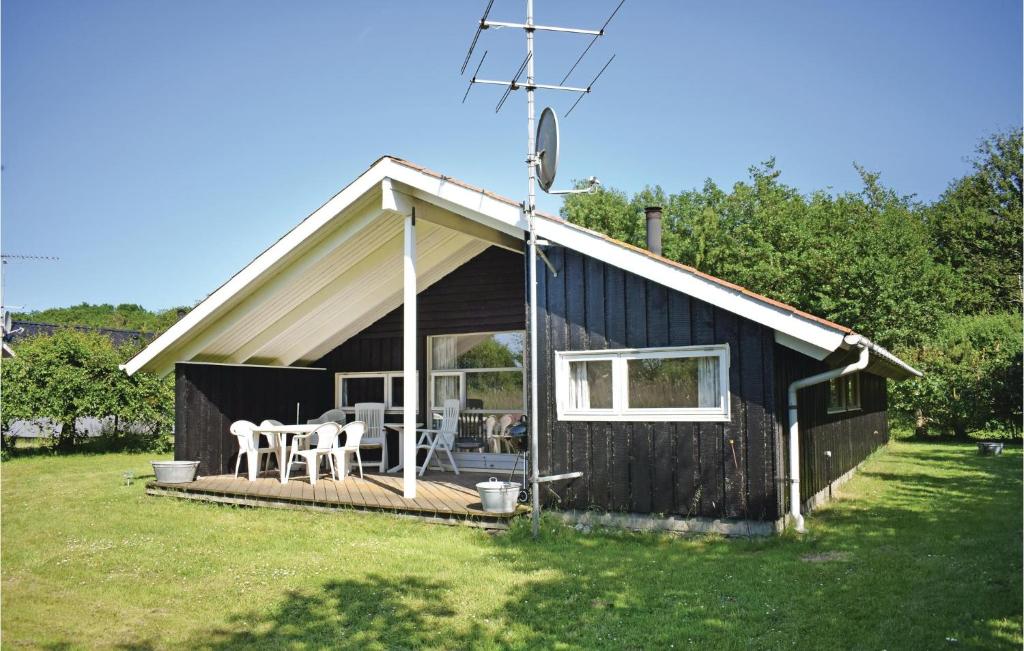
{"x":493,"y":442}
{"x":503,"y":438}
{"x":245,"y":432}
{"x":273,"y":440}
{"x":327,"y":439}
{"x":372,"y":413}
{"x":441,"y":439}
{"x":331,"y":415}
{"x":353,"y":437}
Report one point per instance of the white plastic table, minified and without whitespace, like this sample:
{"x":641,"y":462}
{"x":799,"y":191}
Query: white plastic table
{"x":399,"y":427}
{"x":282,"y":432}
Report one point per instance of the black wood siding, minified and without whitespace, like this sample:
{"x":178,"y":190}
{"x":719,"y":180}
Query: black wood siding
{"x":209,"y":397}
{"x":705,"y":469}
{"x":485,"y":294}
{"x":851,"y":436}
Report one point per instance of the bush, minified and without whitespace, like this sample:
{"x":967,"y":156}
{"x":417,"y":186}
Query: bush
{"x":72,"y":375}
{"x":972,"y":381}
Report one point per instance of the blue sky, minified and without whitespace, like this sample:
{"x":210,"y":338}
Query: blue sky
{"x":157,"y":147}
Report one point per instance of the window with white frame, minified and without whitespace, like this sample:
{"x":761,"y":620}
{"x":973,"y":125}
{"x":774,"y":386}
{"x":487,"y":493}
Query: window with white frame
{"x":844,"y":393}
{"x":689,"y":383}
{"x":483,"y":371}
{"x":375,"y":386}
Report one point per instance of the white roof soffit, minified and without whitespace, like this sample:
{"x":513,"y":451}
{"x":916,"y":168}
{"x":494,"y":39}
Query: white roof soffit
{"x":293,"y":303}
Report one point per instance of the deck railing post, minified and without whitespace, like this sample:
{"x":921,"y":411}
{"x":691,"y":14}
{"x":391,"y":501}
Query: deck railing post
{"x":411,"y":382}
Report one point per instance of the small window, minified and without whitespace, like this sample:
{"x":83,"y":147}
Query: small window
{"x":836,"y":395}
{"x":650,"y":384}
{"x":853,"y":391}
{"x":447,"y":386}
{"x":362,"y":388}
{"x":378,"y":386}
{"x":397,"y":391}
{"x":590,"y":385}
{"x":844,"y":394}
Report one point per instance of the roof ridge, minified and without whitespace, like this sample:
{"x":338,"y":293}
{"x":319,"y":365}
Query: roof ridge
{"x":684,"y":267}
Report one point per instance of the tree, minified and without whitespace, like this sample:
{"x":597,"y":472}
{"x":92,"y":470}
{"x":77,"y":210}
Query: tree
{"x":607,"y":211}
{"x":126,"y":316}
{"x":73,"y":375}
{"x":861,"y":259}
{"x":977,"y":228}
{"x":972,"y":375}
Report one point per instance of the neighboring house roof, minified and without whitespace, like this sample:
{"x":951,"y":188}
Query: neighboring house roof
{"x":117,"y":336}
{"x":331,"y":275}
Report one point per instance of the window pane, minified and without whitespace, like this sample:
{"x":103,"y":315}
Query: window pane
{"x":397,"y":391}
{"x":361,"y":389}
{"x":852,"y":391}
{"x":499,"y":350}
{"x":674,"y":382}
{"x":495,"y":390}
{"x":590,"y":385}
{"x":835,"y":394}
{"x":446,"y":387}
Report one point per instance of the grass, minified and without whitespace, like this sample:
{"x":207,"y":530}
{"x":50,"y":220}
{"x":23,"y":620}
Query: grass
{"x":922,"y":551}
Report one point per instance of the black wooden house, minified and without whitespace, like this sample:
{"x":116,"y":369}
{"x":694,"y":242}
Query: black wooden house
{"x":667,"y":388}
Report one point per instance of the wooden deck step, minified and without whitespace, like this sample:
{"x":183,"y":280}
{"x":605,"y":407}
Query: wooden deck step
{"x":440,"y":497}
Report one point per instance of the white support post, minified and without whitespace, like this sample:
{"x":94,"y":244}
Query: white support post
{"x":411,"y":382}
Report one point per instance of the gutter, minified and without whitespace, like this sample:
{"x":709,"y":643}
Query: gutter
{"x":866,"y":347}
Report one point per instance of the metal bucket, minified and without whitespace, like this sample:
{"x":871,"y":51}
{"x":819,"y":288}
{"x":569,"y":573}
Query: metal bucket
{"x":498,"y":496}
{"x":175,"y":472}
{"x":989,"y":448}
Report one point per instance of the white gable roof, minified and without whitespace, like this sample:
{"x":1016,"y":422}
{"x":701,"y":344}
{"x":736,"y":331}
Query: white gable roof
{"x":337,"y":272}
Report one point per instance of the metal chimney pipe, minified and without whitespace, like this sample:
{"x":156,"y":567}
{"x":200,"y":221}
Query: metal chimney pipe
{"x":653,"y":229}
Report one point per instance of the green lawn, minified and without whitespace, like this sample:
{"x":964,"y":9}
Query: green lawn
{"x":923,"y":551}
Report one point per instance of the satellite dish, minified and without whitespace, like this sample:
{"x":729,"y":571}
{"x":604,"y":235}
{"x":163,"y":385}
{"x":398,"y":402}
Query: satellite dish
{"x":8,"y":322}
{"x":547,"y":148}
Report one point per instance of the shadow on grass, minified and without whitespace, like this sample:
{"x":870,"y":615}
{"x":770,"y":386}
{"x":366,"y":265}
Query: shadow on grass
{"x":890,"y":588}
{"x":362,"y":613}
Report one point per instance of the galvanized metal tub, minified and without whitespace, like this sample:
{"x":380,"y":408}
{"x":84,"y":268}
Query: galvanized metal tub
{"x":498,"y":496}
{"x":175,"y":472}
{"x":989,"y":448}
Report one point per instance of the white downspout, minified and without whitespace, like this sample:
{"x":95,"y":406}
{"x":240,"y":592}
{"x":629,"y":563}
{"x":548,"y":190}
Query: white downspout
{"x":794,"y":426}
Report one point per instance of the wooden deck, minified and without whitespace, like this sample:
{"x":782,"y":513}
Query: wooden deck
{"x":441,"y":497}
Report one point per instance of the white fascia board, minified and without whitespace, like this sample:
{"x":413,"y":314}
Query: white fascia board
{"x":461,"y":200}
{"x":274,"y":366}
{"x":779,"y":319}
{"x":265,"y":261}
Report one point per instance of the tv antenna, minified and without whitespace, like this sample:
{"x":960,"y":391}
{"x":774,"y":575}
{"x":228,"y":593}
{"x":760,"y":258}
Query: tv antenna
{"x":542,"y":151}
{"x":5,"y":258}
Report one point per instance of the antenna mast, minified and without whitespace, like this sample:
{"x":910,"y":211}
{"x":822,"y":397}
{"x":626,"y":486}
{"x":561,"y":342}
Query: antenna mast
{"x":530,"y":205}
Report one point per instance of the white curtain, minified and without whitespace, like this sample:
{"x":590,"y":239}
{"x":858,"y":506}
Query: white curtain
{"x":579,"y":388}
{"x":707,"y":382}
{"x":444,"y":352}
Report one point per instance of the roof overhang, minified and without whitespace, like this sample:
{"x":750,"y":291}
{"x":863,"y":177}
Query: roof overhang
{"x":338,"y":271}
